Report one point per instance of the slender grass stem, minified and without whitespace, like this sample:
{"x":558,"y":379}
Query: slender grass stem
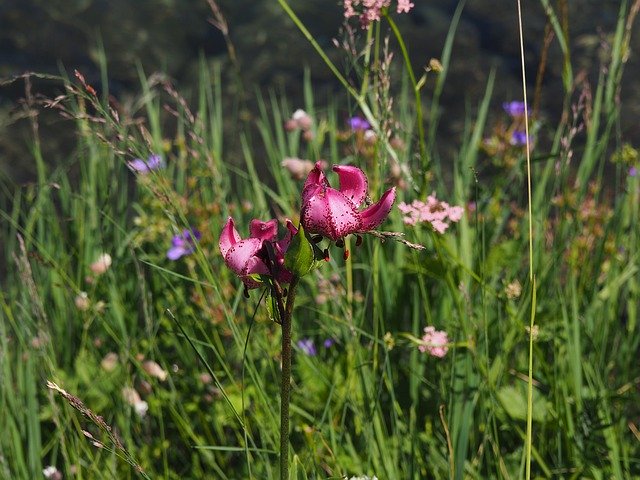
{"x":532,"y":279}
{"x":416,"y":91}
{"x":285,"y":386}
{"x":366,"y":111}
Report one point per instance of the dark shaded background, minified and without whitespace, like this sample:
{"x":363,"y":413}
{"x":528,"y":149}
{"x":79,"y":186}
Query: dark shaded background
{"x":169,"y":36}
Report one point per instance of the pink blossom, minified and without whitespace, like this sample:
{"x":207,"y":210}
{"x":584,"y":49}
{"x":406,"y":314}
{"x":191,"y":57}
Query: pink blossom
{"x":404,"y":6}
{"x":260,"y":254}
{"x":438,"y":214}
{"x":301,"y":119}
{"x":369,"y":11}
{"x":297,"y":167}
{"x":434,"y":342}
{"x":334,"y":213}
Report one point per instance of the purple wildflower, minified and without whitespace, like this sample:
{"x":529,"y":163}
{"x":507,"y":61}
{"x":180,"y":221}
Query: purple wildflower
{"x":514,"y":108}
{"x":358,"y":123}
{"x":154,"y":162}
{"x":183,"y":244}
{"x":519,"y":138}
{"x":633,"y":171}
{"x":329,"y":342}
{"x":307,"y":347}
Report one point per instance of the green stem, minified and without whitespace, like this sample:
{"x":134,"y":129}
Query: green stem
{"x":285,"y":386}
{"x":366,"y":111}
{"x":416,"y":91}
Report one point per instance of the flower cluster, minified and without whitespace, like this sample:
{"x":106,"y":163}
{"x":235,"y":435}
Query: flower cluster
{"x":369,"y":11}
{"x":434,"y":342}
{"x":438,"y":214}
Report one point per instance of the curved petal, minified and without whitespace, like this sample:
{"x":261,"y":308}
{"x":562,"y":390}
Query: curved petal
{"x":331,"y":214}
{"x":315,"y":180}
{"x":376,"y":213}
{"x":263,"y":230}
{"x":229,"y":237}
{"x":282,"y":245}
{"x":242,"y":259}
{"x":353,"y":183}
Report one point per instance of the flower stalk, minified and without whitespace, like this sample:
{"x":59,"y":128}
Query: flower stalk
{"x":285,"y":385}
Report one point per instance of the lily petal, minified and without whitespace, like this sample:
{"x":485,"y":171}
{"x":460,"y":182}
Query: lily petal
{"x":264,"y":230}
{"x":353,"y":183}
{"x":241,"y":257}
{"x":315,"y":180}
{"x":331,"y":214}
{"x":376,"y":213}
{"x":229,"y":237}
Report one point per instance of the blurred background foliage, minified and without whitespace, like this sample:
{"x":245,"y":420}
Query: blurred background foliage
{"x":170,"y":36}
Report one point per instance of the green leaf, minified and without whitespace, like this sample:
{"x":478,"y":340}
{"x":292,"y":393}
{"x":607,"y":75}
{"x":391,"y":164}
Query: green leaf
{"x":300,"y":256}
{"x":514,"y":401}
{"x":272,"y":307}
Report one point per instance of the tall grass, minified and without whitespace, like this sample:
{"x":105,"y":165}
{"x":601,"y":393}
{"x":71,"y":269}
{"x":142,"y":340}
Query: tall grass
{"x":371,"y":404}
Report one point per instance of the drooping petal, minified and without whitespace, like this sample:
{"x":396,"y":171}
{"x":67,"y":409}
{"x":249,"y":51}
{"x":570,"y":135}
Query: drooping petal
{"x":331,"y":214}
{"x":241,"y":257}
{"x":353,"y":183}
{"x":376,"y":213}
{"x":282,"y":245}
{"x":315,"y":181}
{"x":263,"y":230}
{"x":229,"y":237}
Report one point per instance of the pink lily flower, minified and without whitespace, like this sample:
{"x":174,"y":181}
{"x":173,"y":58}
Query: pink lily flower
{"x":249,"y":257}
{"x":334,"y":213}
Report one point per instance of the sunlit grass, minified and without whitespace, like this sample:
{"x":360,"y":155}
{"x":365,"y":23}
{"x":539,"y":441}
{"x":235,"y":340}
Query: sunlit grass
{"x":370,"y":403}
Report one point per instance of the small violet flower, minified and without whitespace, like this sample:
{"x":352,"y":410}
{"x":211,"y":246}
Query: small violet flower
{"x":358,"y":123}
{"x":434,"y":342}
{"x":307,"y":347}
{"x":633,"y":171}
{"x":260,"y":254}
{"x":519,"y":138}
{"x":183,"y":244}
{"x":334,"y":213}
{"x":329,"y":342}
{"x":154,"y":162}
{"x":514,"y":108}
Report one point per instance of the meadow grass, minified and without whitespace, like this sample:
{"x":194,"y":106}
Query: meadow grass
{"x":371,"y":403}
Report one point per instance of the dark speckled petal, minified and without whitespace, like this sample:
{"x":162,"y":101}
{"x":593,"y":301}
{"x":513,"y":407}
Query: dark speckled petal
{"x":376,"y":213}
{"x":331,"y":214}
{"x":353,"y":183}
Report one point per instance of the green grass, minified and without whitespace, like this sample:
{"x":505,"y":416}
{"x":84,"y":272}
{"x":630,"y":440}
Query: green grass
{"x":372,"y":403}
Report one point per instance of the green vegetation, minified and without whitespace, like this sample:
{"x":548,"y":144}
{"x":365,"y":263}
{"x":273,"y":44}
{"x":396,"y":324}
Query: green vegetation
{"x":163,"y":369}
